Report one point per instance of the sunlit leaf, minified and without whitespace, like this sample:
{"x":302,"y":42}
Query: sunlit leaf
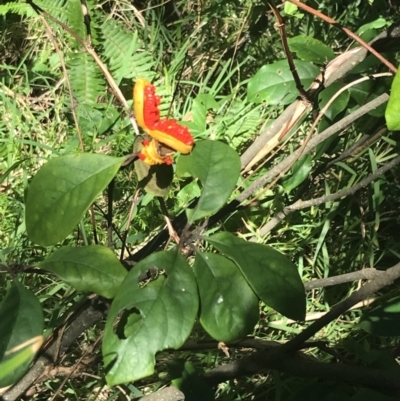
{"x":22,"y":323}
{"x":274,"y":82}
{"x":21,"y":356}
{"x":229,"y":307}
{"x":311,"y":49}
{"x":148,"y":317}
{"x":218,"y":167}
{"x":62,"y":191}
{"x":392,"y":113}
{"x":272,"y":276}
{"x":93,"y":268}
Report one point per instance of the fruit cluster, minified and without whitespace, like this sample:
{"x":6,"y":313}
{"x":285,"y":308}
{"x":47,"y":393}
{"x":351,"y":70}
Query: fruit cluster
{"x":168,"y":136}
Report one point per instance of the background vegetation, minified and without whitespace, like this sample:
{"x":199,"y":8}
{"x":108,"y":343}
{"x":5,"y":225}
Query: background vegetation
{"x":219,"y":60}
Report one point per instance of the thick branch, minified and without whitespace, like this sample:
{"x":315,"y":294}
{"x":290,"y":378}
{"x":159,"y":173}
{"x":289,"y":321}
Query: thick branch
{"x":364,"y":274}
{"x":300,"y":366}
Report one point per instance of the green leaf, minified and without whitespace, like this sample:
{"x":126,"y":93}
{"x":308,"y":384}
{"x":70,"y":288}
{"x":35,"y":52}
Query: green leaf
{"x":218,"y":168}
{"x":19,"y":358}
{"x":392,"y":113}
{"x":291,"y":9}
{"x":93,"y":268}
{"x":380,"y":22}
{"x":338,"y":105}
{"x":272,"y":276}
{"x":149,"y":318}
{"x":361,"y":91}
{"x":76,"y":20}
{"x":187,"y":194}
{"x":274,"y":83}
{"x":62,"y":191}
{"x":229,"y":307}
{"x":311,"y":49}
{"x":155,"y":179}
{"x":201,"y":104}
{"x":185,"y":378}
{"x":301,"y":170}
{"x":21,"y":318}
{"x":383,"y":320}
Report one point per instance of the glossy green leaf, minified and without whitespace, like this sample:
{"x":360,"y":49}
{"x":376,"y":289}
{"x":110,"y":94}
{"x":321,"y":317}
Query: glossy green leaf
{"x":301,"y":170}
{"x":338,"y":105}
{"x":155,"y":179}
{"x":383,"y":320}
{"x":392,"y":113}
{"x":272,"y":276}
{"x":147,"y":318}
{"x":22,"y":356}
{"x":21,"y":318}
{"x":311,"y":49}
{"x":229,"y":307}
{"x":201,"y":105}
{"x":93,"y":268}
{"x":61,"y":192}
{"x":274,"y":83}
{"x":218,"y":168}
{"x":185,"y":378}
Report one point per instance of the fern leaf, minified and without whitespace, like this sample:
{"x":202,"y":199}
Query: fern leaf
{"x":23,"y":9}
{"x":239,"y":124}
{"x":75,"y":19}
{"x":86,"y":81}
{"x":57,"y":8}
{"x":122,"y":49}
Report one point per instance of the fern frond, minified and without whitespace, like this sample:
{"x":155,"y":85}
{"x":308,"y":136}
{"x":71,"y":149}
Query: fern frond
{"x":23,"y":9}
{"x":57,"y":8}
{"x":75,"y":19}
{"x":86,"y":81}
{"x":122,"y":49}
{"x":239,"y":123}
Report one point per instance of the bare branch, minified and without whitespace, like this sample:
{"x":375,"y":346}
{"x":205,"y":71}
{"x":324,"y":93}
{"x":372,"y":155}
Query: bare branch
{"x":343,"y":123}
{"x":383,"y":280}
{"x":299,"y":205}
{"x":363,"y":274}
